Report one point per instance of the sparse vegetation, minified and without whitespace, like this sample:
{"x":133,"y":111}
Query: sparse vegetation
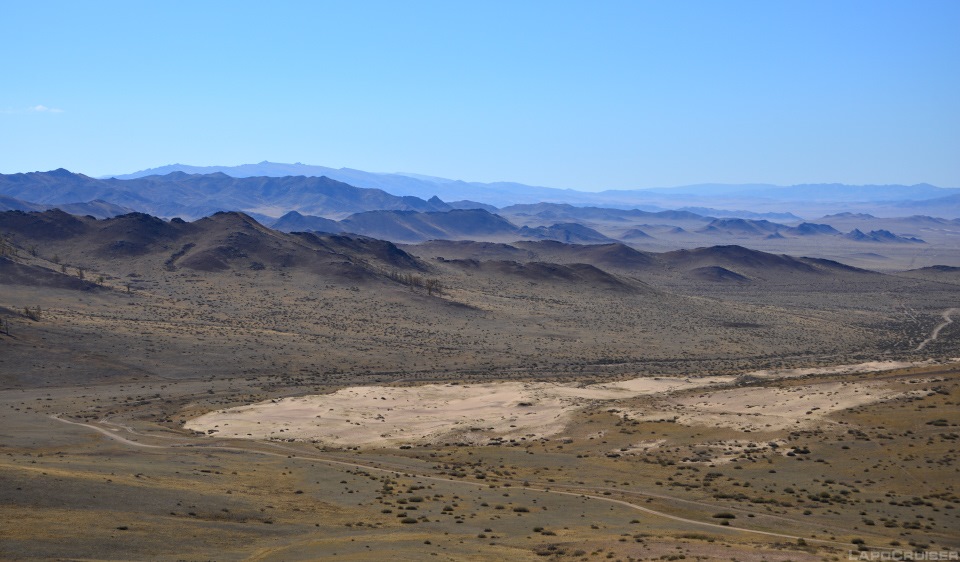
{"x":430,"y":284}
{"x":205,"y":332}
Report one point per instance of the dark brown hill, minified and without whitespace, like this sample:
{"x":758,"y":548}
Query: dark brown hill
{"x":574,"y":274}
{"x":635,"y":234}
{"x":609,"y":256}
{"x":754,"y":264}
{"x":569,"y":232}
{"x":735,"y":257}
{"x":412,"y":227}
{"x":938,"y":269}
{"x":813,"y":229}
{"x":882,"y":236}
{"x":371,"y":250}
{"x":741,"y":227}
{"x":234,"y":240}
{"x":45,"y":225}
{"x":296,"y":222}
{"x":469,"y":249}
{"x":14,"y":273}
{"x":717,"y":274}
{"x":134,"y":234}
{"x":224,"y":241}
{"x":764,"y":228}
{"x":715,"y":263}
{"x":938,"y":273}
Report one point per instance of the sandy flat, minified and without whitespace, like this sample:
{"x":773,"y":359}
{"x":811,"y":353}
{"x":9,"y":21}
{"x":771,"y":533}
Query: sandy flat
{"x":433,"y":413}
{"x":770,"y":409}
{"x":374,"y":416}
{"x":868,"y":367}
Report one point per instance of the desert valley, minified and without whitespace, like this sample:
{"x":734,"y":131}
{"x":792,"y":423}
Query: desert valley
{"x":533,"y":382}
{"x":480,"y":281}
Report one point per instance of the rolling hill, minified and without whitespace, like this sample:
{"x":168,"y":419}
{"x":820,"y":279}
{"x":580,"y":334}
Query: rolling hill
{"x":226,"y":241}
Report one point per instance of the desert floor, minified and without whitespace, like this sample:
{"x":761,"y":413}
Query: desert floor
{"x":526,"y":412}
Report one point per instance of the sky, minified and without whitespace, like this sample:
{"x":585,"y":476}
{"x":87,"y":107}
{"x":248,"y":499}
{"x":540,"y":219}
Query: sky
{"x":585,"y":95}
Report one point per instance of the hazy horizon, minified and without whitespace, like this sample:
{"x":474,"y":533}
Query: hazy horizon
{"x":469,"y":180}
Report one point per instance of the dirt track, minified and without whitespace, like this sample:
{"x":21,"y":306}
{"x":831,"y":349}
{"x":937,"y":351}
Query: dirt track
{"x":580,"y":494}
{"x":947,"y":320}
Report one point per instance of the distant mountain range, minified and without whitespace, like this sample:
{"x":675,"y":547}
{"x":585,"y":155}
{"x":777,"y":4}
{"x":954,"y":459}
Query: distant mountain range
{"x":269,"y":190}
{"x":718,"y":200}
{"x":497,"y":194}
{"x":96,"y":208}
{"x":193,"y":196}
{"x":321,"y":204}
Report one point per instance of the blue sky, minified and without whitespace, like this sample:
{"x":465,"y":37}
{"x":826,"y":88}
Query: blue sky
{"x":598,"y":95}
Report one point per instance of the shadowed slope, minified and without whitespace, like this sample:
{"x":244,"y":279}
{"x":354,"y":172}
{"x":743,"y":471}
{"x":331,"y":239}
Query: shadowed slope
{"x":409,"y":226}
{"x":222,"y":242}
{"x":13,"y":273}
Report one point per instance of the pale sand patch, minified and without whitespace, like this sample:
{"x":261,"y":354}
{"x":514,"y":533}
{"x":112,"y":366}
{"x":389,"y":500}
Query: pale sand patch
{"x":770,"y":409}
{"x":640,"y":448}
{"x":654,"y":385}
{"x":868,"y":367}
{"x":433,"y":413}
{"x":375,"y":416}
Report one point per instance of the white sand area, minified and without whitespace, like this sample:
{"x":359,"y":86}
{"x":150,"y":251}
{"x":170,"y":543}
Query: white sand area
{"x":376,"y":416}
{"x":472,"y":413}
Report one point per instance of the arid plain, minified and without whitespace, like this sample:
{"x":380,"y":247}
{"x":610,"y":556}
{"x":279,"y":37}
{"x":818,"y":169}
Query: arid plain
{"x":220,"y":390}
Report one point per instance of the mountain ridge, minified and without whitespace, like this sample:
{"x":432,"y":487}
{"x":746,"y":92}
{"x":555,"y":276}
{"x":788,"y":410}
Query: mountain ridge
{"x":194,"y":196}
{"x":754,"y":198}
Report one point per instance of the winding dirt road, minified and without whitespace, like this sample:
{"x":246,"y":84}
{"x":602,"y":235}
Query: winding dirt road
{"x":546,"y":490}
{"x":947,"y":320}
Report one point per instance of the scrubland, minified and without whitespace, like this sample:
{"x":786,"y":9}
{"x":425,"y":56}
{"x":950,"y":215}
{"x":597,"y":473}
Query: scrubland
{"x":521,"y":411}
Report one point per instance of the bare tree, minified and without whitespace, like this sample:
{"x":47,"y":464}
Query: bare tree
{"x":433,"y":286}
